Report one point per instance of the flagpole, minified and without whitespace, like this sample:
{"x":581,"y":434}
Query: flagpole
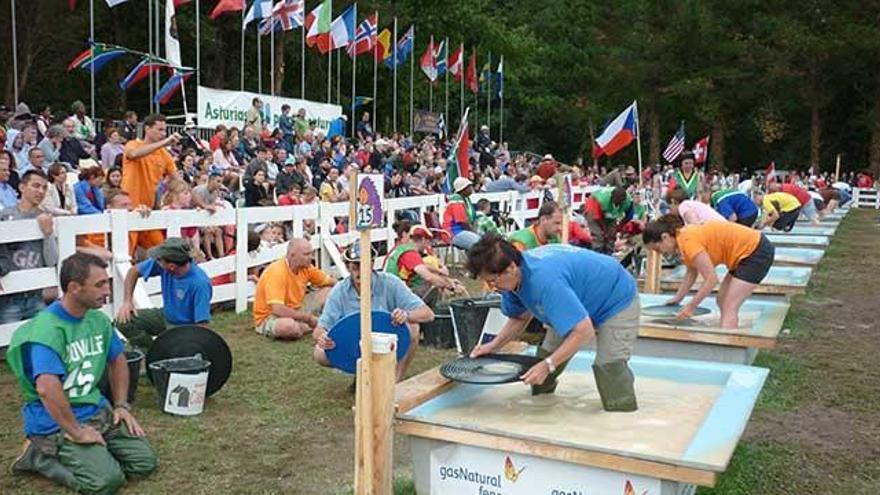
{"x":461,"y":80}
{"x":157,"y":38}
{"x":14,"y":54}
{"x":412,"y":66}
{"x":272,"y":54}
{"x":338,"y":77}
{"x":92,"y":76}
{"x":394,"y":60}
{"x":302,"y":58}
{"x":198,"y":46}
{"x":259,"y":61}
{"x":446,"y":75}
{"x":329,"y":73}
{"x":150,"y":49}
{"x":244,"y":8}
{"x":501,"y":103}
{"x":354,"y":58}
{"x":638,"y":142}
{"x":489,"y":96}
{"x":375,"y":73}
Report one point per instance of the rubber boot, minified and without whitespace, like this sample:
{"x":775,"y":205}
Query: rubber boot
{"x":615,"y":383}
{"x":550,"y":383}
{"x":32,"y":460}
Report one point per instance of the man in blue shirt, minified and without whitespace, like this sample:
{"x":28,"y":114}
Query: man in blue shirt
{"x":579,"y":294}
{"x":74,"y":437}
{"x":186,"y":294}
{"x":388,"y":293}
{"x":735,"y":206}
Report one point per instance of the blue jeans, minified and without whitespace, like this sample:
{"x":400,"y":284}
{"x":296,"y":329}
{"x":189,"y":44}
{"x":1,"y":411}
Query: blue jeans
{"x":465,"y":239}
{"x":20,"y":307}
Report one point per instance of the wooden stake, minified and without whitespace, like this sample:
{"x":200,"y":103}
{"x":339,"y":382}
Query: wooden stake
{"x":564,"y":204}
{"x":837,"y":169}
{"x":652,"y":277}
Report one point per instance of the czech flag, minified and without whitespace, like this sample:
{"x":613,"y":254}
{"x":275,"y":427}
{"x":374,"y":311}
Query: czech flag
{"x":619,"y":133}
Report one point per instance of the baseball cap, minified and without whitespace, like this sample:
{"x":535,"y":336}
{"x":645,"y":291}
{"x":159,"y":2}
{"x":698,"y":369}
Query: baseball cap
{"x":174,"y":249}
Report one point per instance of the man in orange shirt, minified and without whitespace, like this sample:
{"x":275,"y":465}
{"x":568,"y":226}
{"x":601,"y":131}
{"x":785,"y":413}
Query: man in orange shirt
{"x":284,"y":307}
{"x":145,"y":164}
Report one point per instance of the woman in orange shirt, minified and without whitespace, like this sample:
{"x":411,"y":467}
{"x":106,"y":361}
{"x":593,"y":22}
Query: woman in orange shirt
{"x":747,"y":254}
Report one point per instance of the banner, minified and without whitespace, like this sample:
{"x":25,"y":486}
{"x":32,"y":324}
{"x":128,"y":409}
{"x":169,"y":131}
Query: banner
{"x":217,"y":106}
{"x":467,"y":470}
{"x":425,"y":121}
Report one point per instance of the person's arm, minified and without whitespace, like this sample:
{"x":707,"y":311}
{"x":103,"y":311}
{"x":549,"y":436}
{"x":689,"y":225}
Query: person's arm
{"x":127,"y":309}
{"x":433,"y":278}
{"x":50,"y":244}
{"x":52,"y":396}
{"x":282,"y":311}
{"x":582,"y":333}
{"x":770,"y":217}
{"x":690,"y":277}
{"x":702,"y":265}
{"x":134,"y":153}
{"x":690,"y":218}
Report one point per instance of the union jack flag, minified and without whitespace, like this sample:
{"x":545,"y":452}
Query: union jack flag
{"x":365,"y":36}
{"x":286,"y":15}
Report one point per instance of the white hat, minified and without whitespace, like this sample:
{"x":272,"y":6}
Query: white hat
{"x":548,"y":156}
{"x":461,"y":183}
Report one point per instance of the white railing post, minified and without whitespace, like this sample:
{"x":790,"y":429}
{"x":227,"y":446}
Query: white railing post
{"x":121,"y":260}
{"x":241,"y":259}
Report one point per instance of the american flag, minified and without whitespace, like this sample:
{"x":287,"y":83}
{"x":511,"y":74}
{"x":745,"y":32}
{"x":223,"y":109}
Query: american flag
{"x":286,"y":15}
{"x":365,"y":36}
{"x":675,"y":146}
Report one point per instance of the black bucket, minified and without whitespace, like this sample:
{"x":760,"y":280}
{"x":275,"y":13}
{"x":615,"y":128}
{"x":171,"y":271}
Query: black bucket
{"x":469,"y":318}
{"x":134,"y":358}
{"x":189,"y":378}
{"x":439,"y":333}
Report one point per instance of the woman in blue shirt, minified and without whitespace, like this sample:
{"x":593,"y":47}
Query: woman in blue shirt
{"x":579,"y":294}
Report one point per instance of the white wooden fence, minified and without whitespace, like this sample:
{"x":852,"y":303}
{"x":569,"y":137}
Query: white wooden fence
{"x":866,"y":198}
{"x":118,"y":223}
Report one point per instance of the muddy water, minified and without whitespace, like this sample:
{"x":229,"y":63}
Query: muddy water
{"x":669,"y":415}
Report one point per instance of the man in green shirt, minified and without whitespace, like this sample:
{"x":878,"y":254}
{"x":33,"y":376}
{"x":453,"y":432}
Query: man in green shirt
{"x":546,"y":229}
{"x":74,"y":436}
{"x":483,"y":221}
{"x":607,"y":209}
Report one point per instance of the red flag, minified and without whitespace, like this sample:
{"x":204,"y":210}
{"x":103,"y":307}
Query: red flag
{"x":470,"y":77}
{"x":178,"y":3}
{"x":455,"y":64}
{"x":72,"y":4}
{"x":771,"y":170}
{"x":224,"y":6}
{"x":464,"y":153}
{"x":701,"y":151}
{"x":427,"y":62}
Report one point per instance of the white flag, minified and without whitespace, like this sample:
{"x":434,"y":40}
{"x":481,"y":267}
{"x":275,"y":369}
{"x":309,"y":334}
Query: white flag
{"x":172,"y":44}
{"x":114,"y":3}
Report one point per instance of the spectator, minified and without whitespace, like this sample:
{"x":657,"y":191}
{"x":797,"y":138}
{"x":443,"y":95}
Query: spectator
{"x":256,"y":191}
{"x":459,"y":215}
{"x":364,"y":128}
{"x":146,"y":163}
{"x":129,"y":127}
{"x":224,"y":157}
{"x":508,"y":183}
{"x":90,"y":198}
{"x":287,"y":178}
{"x":254,"y":117}
{"x":112,"y":148}
{"x":247,"y":145}
{"x":484,"y":222}
{"x":44,"y":120}
{"x":8,"y":193}
{"x":328,"y":190}
{"x":51,"y":143}
{"x":219,"y":134}
{"x":112,"y":182}
{"x":60,"y":199}
{"x":36,"y":161}
{"x":300,"y":124}
{"x":84,"y":128}
{"x":292,"y":197}
{"x":103,"y":136}
{"x":179,"y":196}
{"x":260,"y":162}
{"x":290,"y":293}
{"x":72,"y":150}
{"x":186,"y":293}
{"x":286,"y":125}
{"x":27,"y":255}
{"x":406,"y":262}
{"x":547,"y":167}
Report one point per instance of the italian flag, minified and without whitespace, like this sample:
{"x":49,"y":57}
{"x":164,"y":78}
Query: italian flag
{"x":459,"y":165}
{"x":318,"y":25}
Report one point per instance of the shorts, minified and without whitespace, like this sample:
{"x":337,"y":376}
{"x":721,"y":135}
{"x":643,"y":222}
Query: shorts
{"x":809,"y":210}
{"x":754,"y":267}
{"x":615,"y":337}
{"x":747,"y":221}
{"x":311,"y":305}
{"x":786,"y":220}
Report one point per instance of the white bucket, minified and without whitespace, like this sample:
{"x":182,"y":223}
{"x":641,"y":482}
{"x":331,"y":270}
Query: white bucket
{"x":384,"y":343}
{"x":185,"y":394}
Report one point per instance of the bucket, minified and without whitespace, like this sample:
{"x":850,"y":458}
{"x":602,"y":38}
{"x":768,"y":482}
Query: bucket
{"x":439,"y":333}
{"x":384,"y":343}
{"x":134,"y":358}
{"x":181,"y":384}
{"x":468,"y":320}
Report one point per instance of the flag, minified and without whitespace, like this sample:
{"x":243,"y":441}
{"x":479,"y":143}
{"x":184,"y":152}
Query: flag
{"x":360,"y":101}
{"x":701,"y":151}
{"x":499,"y":79}
{"x":770,"y":173}
{"x":110,"y":3}
{"x":427,"y":62}
{"x":675,"y":146}
{"x":441,"y":126}
{"x":259,"y":10}
{"x":404,"y":48}
{"x":224,"y":6}
{"x":485,"y":77}
{"x":459,"y":156}
{"x":619,"y":133}
{"x":171,"y":86}
{"x":178,"y":3}
{"x":96,"y":57}
{"x":140,"y":72}
{"x":72,"y":4}
{"x":342,"y":29}
{"x":286,"y":15}
{"x":172,"y":43}
{"x":383,"y":45}
{"x":456,"y":63}
{"x":318,"y":25}
{"x":470,"y":75}
{"x":365,"y":39}
{"x":440,"y":58}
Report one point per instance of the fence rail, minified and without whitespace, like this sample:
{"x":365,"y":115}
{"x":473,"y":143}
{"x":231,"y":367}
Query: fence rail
{"x":866,"y":198}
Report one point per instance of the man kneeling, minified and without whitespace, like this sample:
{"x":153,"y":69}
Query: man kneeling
{"x":388,"y":292}
{"x":74,"y":437}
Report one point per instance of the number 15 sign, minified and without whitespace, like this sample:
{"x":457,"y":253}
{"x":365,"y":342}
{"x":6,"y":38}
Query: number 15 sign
{"x":370,"y":209}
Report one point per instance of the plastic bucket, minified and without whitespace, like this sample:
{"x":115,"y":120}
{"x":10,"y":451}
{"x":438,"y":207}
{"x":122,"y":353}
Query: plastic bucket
{"x":181,"y":384}
{"x":468,"y":320}
{"x":134,"y":358}
{"x":439,"y":333}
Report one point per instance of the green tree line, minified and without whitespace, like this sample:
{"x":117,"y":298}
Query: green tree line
{"x":797,"y":82}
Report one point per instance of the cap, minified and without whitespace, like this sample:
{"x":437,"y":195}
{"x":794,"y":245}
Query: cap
{"x":420,"y":231}
{"x":548,"y":156}
{"x":352,"y":253}
{"x":174,"y":249}
{"x":460,"y":184}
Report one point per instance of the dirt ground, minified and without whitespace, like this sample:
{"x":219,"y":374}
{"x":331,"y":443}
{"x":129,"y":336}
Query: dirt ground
{"x":284,"y":425}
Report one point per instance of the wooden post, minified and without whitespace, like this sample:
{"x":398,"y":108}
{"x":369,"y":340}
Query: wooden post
{"x":837,"y":169}
{"x":564,"y":202}
{"x":652,"y":277}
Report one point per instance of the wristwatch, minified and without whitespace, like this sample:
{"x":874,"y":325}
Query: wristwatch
{"x":122,"y":405}
{"x":550,"y":365}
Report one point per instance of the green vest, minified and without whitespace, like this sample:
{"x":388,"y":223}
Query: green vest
{"x":611,"y":212}
{"x":468,"y":206}
{"x":82,"y":346}
{"x":688,"y":186}
{"x":529,"y":239}
{"x":717,"y":196}
{"x":393,"y":268}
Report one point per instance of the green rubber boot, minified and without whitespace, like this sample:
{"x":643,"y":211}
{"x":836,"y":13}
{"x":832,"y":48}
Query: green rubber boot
{"x":615,"y":382}
{"x":32,"y":460}
{"x":549,"y":385}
